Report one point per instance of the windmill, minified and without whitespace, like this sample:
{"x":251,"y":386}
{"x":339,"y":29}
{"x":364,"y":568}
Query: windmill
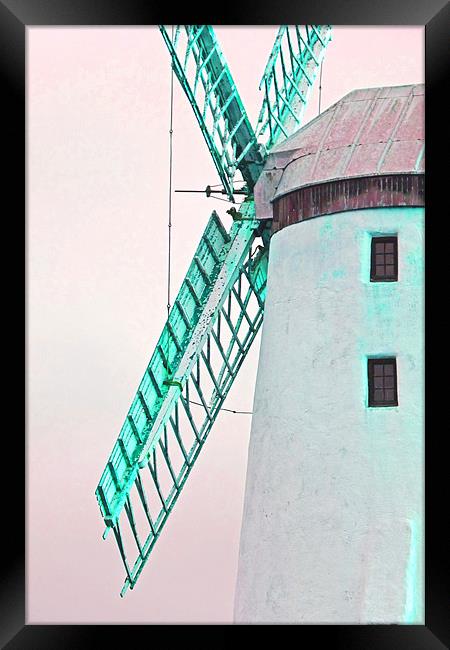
{"x":220,"y":306}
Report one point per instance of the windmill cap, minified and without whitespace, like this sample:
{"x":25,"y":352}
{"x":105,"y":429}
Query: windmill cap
{"x":369,"y":132}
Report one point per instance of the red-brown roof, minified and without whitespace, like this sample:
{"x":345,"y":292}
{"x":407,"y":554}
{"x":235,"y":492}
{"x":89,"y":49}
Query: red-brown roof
{"x":373,"y":131}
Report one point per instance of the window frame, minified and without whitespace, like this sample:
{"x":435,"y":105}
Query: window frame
{"x":383,"y":239}
{"x":383,"y":361}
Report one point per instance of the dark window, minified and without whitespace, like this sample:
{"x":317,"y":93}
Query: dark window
{"x":383,"y":264}
{"x":382,"y":382}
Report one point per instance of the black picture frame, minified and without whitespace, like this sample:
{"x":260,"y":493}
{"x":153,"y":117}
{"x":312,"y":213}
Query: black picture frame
{"x":15,"y":16}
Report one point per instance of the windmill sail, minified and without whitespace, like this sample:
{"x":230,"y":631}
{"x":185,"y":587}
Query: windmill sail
{"x":215,"y":318}
{"x":206,"y":79}
{"x":289,"y":75}
{"x":220,"y":306}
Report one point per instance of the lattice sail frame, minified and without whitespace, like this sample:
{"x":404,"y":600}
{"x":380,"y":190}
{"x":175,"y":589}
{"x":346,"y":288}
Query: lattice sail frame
{"x":288,"y":78}
{"x":213,"y":321}
{"x":204,"y":75}
{"x":215,"y":318}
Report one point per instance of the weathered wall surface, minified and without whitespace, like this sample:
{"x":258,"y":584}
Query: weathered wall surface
{"x":333,"y":516}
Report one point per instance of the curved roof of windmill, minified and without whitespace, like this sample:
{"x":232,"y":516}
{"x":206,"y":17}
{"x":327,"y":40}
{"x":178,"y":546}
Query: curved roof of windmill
{"x":372,"y":131}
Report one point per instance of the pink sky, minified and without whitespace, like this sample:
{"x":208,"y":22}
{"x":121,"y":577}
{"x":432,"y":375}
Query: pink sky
{"x":97,"y":137}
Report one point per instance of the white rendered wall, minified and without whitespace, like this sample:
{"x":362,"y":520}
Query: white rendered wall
{"x":332,"y":526}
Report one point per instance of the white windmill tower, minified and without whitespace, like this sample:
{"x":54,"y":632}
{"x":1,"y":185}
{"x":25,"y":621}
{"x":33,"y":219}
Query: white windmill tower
{"x":333,"y":522}
{"x":218,"y":312}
